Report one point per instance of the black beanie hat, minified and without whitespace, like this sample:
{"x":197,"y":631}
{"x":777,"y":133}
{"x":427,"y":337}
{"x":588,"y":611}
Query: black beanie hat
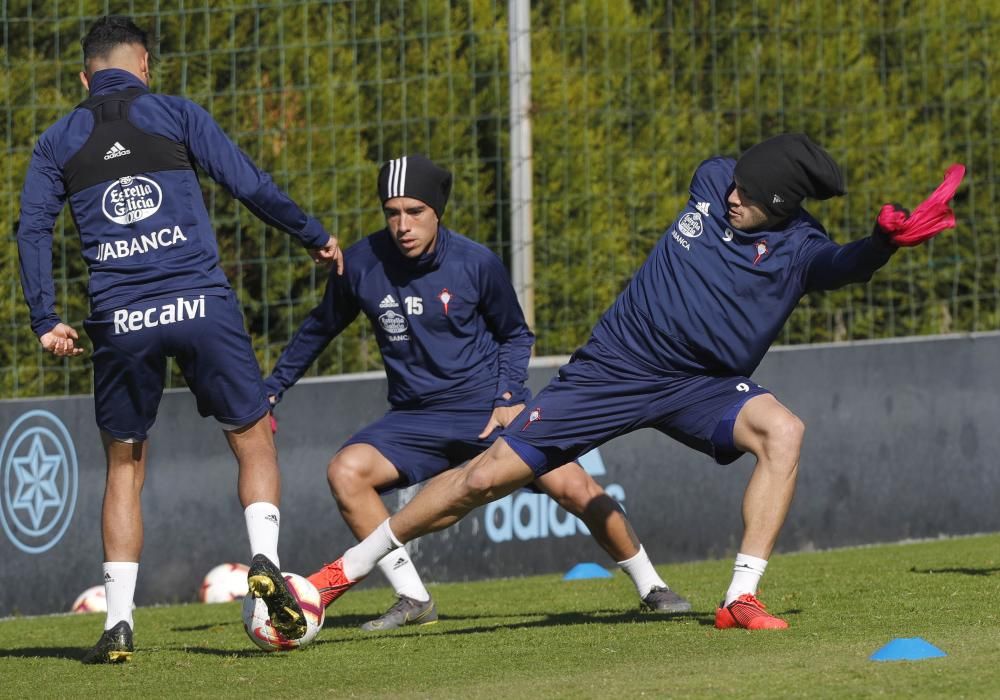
{"x":780,"y":172}
{"x":417,"y":177}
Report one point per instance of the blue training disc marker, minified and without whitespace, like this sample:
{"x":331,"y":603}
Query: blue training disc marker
{"x":907,"y":649}
{"x":586,"y":570}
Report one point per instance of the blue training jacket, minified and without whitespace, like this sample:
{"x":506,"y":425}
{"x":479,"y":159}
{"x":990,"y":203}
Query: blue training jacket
{"x":448,"y":324}
{"x":144,"y":229}
{"x":712,"y":299}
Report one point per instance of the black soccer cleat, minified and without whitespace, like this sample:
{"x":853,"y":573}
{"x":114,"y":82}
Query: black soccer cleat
{"x":266,"y":582}
{"x":114,"y":646}
{"x":664,"y":600}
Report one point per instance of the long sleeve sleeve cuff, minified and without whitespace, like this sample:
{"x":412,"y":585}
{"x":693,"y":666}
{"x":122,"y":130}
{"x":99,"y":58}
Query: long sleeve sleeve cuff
{"x":272,"y":387}
{"x":314,"y":235}
{"x":518,"y":394}
{"x":44,"y":325}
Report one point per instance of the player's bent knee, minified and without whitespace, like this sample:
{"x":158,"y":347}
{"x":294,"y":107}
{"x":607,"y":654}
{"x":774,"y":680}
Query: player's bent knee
{"x":345,"y":474}
{"x":477,"y":483}
{"x":482,"y":483}
{"x":572,"y":488}
{"x":493,"y":474}
{"x":790,"y":431}
{"x":783,"y":439}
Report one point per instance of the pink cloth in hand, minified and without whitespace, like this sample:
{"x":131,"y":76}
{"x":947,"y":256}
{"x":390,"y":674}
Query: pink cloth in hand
{"x":929,"y":219}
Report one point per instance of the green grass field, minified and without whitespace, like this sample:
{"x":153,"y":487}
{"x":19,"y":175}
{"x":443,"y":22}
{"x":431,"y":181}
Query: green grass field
{"x":542,"y":637}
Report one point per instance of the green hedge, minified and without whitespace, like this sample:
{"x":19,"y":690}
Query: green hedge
{"x":628,"y":97}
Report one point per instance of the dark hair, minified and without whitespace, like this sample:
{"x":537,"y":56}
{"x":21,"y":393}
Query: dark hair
{"x":109,"y":32}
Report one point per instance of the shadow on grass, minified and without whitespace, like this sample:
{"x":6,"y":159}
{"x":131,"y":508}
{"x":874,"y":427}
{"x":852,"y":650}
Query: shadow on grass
{"x":965,"y":570}
{"x":345,"y":622}
{"x":239,"y":653}
{"x":206,"y":626}
{"x":77,"y":653}
{"x":524,"y":621}
{"x":68,"y":653}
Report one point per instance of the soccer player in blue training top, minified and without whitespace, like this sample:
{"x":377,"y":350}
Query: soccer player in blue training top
{"x":455,"y":347}
{"x":676,"y":350}
{"x":125,"y":159}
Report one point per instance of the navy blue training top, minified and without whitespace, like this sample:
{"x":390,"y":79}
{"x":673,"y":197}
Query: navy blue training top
{"x":143,"y":234}
{"x":711,"y":298}
{"x":448,"y":324}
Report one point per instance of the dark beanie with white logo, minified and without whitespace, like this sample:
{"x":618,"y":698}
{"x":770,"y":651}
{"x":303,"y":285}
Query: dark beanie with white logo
{"x":780,"y":172}
{"x":418,"y":177}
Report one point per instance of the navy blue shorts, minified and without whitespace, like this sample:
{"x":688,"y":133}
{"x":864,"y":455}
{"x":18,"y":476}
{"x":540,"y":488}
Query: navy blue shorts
{"x":425,"y":442}
{"x":203,"y":333}
{"x":597,"y":397}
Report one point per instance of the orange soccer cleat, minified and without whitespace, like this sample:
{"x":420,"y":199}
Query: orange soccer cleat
{"x":331,"y":582}
{"x":747,"y":612}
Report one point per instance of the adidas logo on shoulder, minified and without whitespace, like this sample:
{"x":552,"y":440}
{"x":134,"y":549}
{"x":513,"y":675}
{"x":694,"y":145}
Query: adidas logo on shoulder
{"x":777,"y":200}
{"x":388,"y":303}
{"x":703,"y":207}
{"x":116,"y":151}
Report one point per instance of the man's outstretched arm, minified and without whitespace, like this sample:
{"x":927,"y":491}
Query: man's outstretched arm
{"x":233,"y":169}
{"x":326,"y":321}
{"x":834,"y":266}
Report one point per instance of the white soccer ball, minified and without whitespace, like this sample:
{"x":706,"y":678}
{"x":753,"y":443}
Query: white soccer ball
{"x":258,"y":625}
{"x":224,"y":583}
{"x":91,"y":600}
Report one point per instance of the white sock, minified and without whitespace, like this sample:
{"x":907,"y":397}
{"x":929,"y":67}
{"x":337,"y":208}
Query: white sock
{"x":360,"y":559}
{"x":402,"y":574}
{"x":119,"y":588}
{"x":746,"y":575}
{"x":640,"y":569}
{"x":262,"y":527}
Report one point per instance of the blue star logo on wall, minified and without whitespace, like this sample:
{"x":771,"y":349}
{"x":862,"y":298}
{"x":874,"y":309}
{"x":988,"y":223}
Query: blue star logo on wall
{"x":38,"y":481}
{"x":36,"y":475}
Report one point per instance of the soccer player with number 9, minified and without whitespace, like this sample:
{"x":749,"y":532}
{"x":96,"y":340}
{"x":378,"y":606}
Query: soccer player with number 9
{"x":676,"y":350}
